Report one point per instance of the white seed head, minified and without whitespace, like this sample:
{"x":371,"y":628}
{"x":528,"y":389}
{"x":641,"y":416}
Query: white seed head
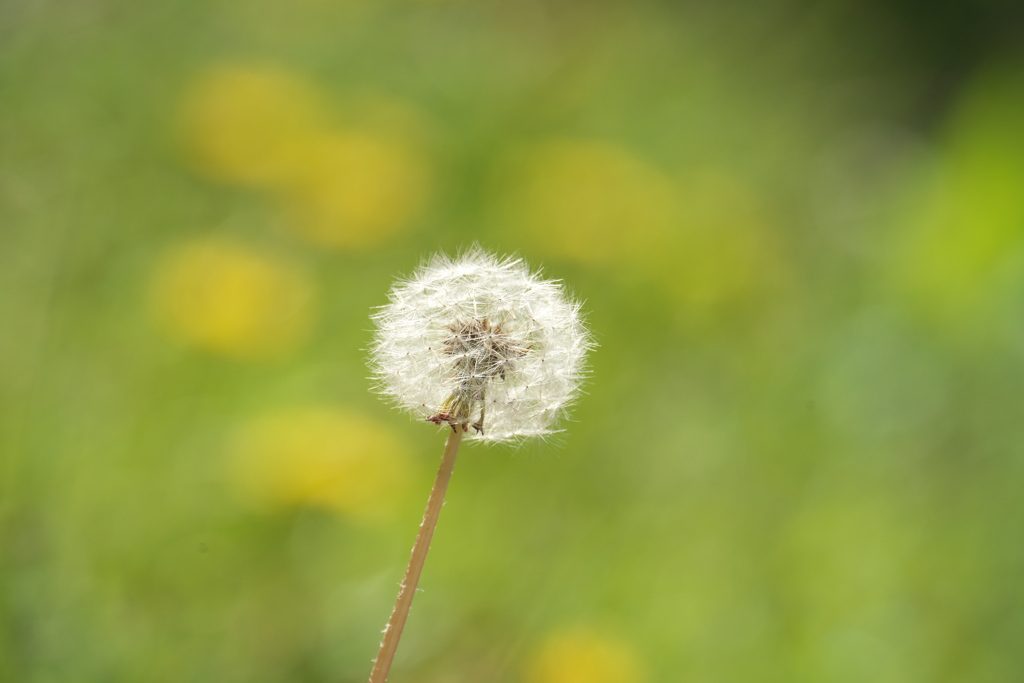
{"x":481,"y":342}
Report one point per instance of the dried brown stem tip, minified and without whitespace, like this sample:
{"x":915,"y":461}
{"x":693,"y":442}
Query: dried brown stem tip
{"x":393,"y":631}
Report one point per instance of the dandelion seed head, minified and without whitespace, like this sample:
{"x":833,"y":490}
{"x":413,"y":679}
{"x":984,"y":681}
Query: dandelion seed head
{"x":478,"y":341}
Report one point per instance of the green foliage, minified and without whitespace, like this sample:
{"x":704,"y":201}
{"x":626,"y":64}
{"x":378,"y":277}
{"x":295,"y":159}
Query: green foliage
{"x":799,"y":455}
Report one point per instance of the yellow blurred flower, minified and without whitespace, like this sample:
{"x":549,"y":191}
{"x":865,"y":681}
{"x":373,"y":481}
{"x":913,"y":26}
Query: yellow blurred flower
{"x":706,"y":236}
{"x":345,"y":186}
{"x":356,"y":189}
{"x":327,"y":457}
{"x":228,"y":298}
{"x":583,"y":655}
{"x":591,"y":201}
{"x":251,"y":124}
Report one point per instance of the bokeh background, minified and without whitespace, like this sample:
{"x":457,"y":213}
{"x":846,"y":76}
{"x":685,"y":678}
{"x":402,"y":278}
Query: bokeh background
{"x":799,"y":232}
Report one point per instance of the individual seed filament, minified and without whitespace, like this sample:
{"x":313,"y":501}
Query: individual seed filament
{"x":482,"y":351}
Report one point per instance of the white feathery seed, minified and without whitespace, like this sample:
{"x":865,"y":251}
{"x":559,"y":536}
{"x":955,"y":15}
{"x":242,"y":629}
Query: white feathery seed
{"x":477,"y":341}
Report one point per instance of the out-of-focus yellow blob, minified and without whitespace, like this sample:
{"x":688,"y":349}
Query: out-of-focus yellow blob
{"x":326,"y":457}
{"x":356,"y":189}
{"x":251,"y":124}
{"x":965,"y":222}
{"x":584,"y":656}
{"x":591,"y":201}
{"x":706,"y":236}
{"x":345,"y":186}
{"x":228,"y":298}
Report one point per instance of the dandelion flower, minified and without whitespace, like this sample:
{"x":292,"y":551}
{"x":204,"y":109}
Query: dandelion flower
{"x":229,"y":298}
{"x":326,"y":457}
{"x":481,"y":341}
{"x":476,"y":341}
{"x":357,"y":189}
{"x":249,"y":124}
{"x":583,"y":655}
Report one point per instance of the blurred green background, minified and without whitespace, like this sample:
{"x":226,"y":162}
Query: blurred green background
{"x":799,"y":232}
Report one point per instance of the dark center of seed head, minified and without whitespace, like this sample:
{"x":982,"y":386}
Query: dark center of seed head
{"x":482,"y":348}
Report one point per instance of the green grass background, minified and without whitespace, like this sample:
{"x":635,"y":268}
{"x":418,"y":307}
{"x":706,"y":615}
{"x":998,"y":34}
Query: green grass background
{"x":798,"y":459}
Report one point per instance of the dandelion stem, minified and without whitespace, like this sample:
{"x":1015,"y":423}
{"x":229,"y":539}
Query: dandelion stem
{"x":393,"y":631}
